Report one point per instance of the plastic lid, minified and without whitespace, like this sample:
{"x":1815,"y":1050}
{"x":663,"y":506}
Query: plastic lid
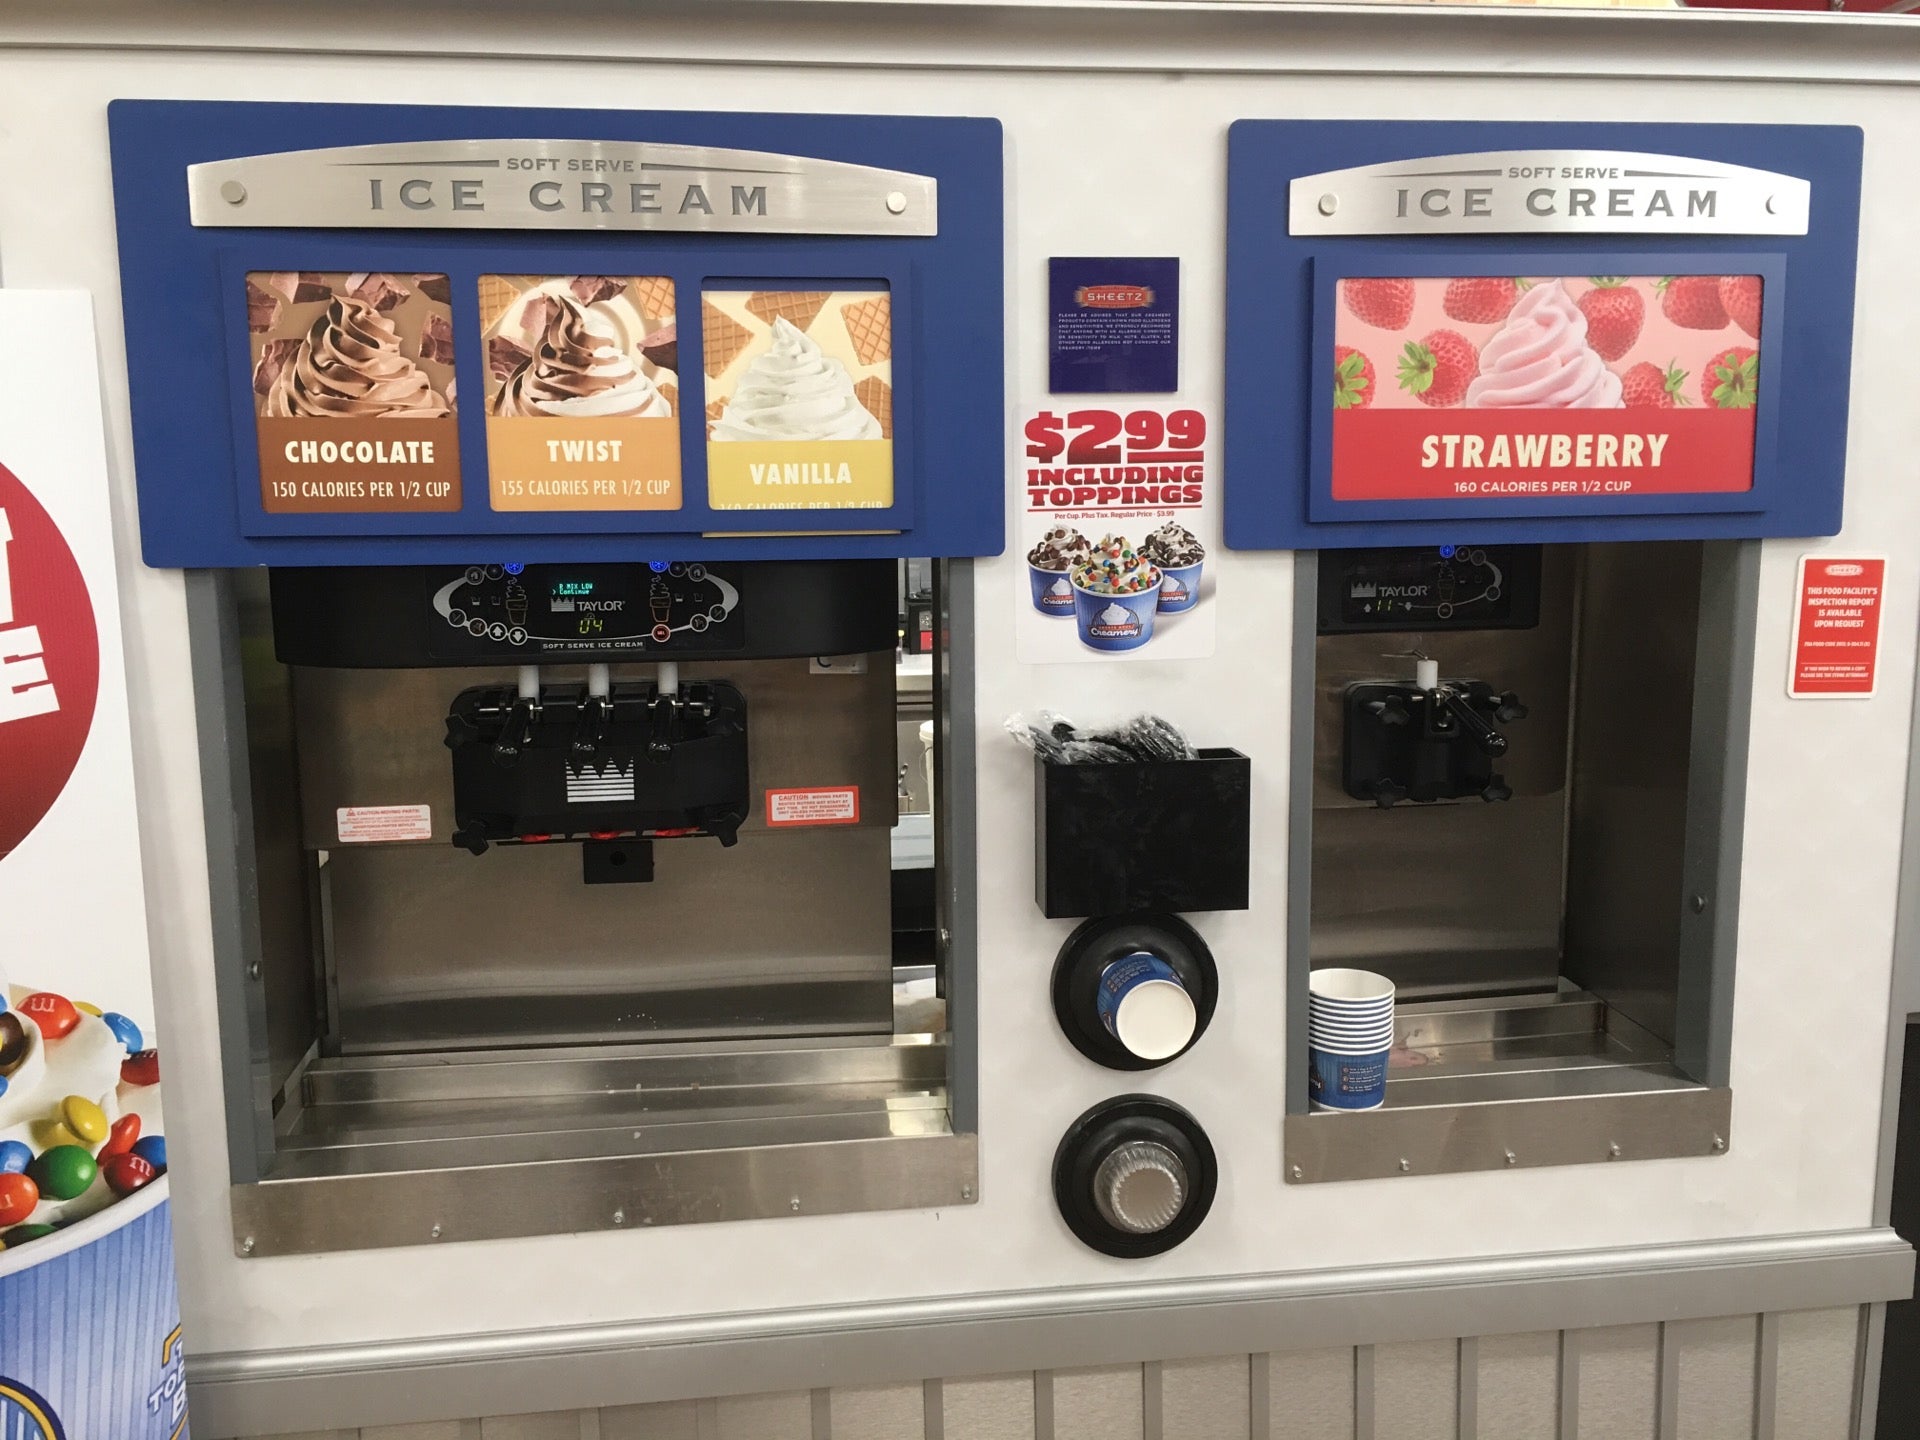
{"x":1140,"y":1187}
{"x":1155,"y":1019}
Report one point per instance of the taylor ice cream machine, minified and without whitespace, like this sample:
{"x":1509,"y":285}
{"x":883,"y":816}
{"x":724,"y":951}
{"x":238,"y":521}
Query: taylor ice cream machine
{"x":548,"y":623}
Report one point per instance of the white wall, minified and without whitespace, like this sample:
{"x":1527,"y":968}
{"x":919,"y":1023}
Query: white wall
{"x":1123,"y":159}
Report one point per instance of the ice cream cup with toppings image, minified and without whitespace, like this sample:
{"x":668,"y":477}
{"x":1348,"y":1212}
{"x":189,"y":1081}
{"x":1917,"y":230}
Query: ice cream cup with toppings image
{"x":1179,"y":557}
{"x":1116,"y":594}
{"x":337,"y":359}
{"x":582,"y":391}
{"x":800,"y":401}
{"x":1050,"y":565}
{"x":82,"y":1136}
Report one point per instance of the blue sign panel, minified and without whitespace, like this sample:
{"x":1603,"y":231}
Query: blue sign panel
{"x":1555,"y":332}
{"x":563,"y":347}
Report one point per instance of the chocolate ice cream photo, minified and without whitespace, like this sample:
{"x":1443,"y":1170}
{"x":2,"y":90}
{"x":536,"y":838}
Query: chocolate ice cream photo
{"x":1179,"y":555}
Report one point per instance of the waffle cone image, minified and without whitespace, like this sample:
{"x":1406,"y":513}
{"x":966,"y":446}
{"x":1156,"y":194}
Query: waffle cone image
{"x":653,"y":296}
{"x":799,"y":308}
{"x":715,"y":409}
{"x":497,"y":294}
{"x":722,"y":338}
{"x":670,"y":393}
{"x":870,"y":326}
{"x":877,"y":397}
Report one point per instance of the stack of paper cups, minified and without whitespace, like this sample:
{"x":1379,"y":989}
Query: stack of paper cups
{"x":1349,"y":1034}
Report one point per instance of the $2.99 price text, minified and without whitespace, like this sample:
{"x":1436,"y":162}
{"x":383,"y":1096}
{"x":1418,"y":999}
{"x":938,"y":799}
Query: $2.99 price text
{"x":1106,"y":458}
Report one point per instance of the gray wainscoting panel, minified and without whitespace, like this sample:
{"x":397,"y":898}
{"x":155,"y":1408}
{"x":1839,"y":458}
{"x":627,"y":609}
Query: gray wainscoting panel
{"x":1787,"y":1375}
{"x":1518,"y":1392}
{"x":1106,"y":1403}
{"x":987,"y":1407}
{"x":1205,"y":1399}
{"x":1717,"y":1361}
{"x":1619,"y":1383}
{"x":674,"y":1420}
{"x":1310,"y":1395}
{"x":547,"y":1425}
{"x":1813,"y":1392}
{"x":1415,"y":1390}
{"x":786,"y":1416}
{"x":877,"y":1412}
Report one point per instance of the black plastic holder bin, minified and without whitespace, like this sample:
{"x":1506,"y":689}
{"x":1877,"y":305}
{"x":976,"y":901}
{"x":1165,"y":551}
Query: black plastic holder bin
{"x":1168,"y":835}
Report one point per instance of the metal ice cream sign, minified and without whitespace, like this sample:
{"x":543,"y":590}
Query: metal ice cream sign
{"x":559,"y":185}
{"x":1515,"y":192}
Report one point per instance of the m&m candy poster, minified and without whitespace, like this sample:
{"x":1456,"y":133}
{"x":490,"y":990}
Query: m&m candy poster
{"x":90,"y":1336}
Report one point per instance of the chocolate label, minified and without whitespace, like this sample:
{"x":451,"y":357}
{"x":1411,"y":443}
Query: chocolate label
{"x":353,"y":391}
{"x":583,"y":392}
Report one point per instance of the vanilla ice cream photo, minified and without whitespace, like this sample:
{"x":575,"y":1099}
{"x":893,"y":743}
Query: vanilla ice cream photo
{"x":799,"y":399}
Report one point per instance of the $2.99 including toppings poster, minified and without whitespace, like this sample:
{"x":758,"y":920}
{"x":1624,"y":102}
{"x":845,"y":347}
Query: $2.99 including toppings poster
{"x":1117,"y":516}
{"x":1493,"y":386}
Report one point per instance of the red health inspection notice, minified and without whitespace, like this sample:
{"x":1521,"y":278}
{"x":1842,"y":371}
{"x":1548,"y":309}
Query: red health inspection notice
{"x":1836,"y":628}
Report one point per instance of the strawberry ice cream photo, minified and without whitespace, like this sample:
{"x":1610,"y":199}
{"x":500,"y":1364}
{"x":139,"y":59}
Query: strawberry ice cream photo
{"x":1485,"y":386}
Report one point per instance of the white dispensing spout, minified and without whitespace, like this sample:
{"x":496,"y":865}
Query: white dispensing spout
{"x":530,"y":682}
{"x":668,"y":678}
{"x":599,"y":681}
{"x":1426,"y":673}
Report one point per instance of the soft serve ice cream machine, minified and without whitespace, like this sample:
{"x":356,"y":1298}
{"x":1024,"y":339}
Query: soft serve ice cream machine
{"x":553,"y":594}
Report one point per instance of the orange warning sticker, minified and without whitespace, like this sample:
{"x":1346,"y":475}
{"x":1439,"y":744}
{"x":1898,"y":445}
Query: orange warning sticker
{"x":840,"y":806}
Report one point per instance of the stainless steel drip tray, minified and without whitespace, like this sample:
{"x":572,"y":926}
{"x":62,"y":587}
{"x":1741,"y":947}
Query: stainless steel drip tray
{"x":1511,"y":1083}
{"x":488,"y":1144}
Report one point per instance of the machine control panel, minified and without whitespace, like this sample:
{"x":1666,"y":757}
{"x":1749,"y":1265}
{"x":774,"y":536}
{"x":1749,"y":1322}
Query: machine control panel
{"x":505,"y":611}
{"x":1447,"y":587}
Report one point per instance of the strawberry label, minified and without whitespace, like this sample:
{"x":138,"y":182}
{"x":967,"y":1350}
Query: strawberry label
{"x":1544,"y":387}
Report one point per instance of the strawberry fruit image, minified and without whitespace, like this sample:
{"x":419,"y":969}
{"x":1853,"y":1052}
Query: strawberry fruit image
{"x":1692,"y":301}
{"x":1384,"y":304}
{"x":1615,"y":312}
{"x":1481,"y":299}
{"x":1740,"y":295}
{"x":1647,"y":387}
{"x":1352,"y":379}
{"x":1437,"y":368}
{"x":1731,"y":379}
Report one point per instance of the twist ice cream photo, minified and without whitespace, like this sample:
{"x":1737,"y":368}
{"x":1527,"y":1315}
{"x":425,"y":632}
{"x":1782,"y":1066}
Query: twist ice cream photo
{"x":582,"y":390}
{"x":1492,"y":386}
{"x":800,"y":400}
{"x":335,"y":358}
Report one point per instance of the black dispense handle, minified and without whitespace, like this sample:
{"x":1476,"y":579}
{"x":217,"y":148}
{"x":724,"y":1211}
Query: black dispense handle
{"x":1489,"y":740}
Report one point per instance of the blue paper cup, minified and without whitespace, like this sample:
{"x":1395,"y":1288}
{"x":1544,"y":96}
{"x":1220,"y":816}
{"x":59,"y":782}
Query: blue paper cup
{"x":1144,"y":1006}
{"x":1180,"y":587}
{"x":1052,"y":591}
{"x":1343,"y":1080}
{"x":1115,"y":622}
